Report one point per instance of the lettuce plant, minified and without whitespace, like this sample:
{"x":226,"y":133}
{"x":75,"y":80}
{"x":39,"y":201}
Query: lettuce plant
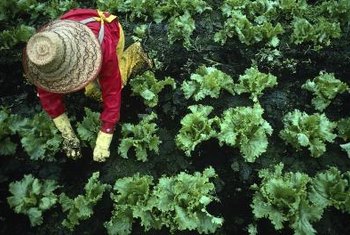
{"x":245,"y":128}
{"x":137,"y":9}
{"x":196,"y":127}
{"x":319,"y":33}
{"x":32,"y":197}
{"x":255,"y":82}
{"x":148,"y":87}
{"x":343,"y":128}
{"x":178,"y":202}
{"x":207,"y":81}
{"x":88,"y":128}
{"x":15,"y":35}
{"x":325,"y":87}
{"x":183,"y":199}
{"x":304,"y":130}
{"x":9,"y":125}
{"x":181,"y":28}
{"x":130,"y":196}
{"x":250,"y":21}
{"x":81,"y":207}
{"x":142,"y":136}
{"x":283,"y":198}
{"x":331,"y":188}
{"x":40,"y":138}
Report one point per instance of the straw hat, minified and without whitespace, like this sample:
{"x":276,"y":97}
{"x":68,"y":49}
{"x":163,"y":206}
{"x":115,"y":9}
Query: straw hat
{"x":63,"y":57}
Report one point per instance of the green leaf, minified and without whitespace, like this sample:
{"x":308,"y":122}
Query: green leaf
{"x":32,"y":197}
{"x":81,"y":207}
{"x":142,"y":137}
{"x":147,"y":86}
{"x":255,"y":82}
{"x":304,"y":130}
{"x":207,"y":81}
{"x":196,"y":127}
{"x":325,"y":88}
{"x":245,"y":128}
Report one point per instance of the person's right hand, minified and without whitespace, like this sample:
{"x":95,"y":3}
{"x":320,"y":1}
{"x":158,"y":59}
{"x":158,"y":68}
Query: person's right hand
{"x":71,"y":147}
{"x":71,"y":144}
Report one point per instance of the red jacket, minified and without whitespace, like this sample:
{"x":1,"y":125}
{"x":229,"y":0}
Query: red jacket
{"x":109,"y":77}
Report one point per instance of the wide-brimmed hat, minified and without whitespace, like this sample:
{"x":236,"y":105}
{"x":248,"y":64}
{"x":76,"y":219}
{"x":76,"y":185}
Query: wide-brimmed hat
{"x":63,"y":57}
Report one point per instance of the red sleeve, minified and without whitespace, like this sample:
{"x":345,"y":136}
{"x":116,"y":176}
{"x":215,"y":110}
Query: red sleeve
{"x":110,"y":80}
{"x":52,"y":103}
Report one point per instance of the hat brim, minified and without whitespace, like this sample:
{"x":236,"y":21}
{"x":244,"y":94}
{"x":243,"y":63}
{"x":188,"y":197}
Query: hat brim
{"x":81,"y":63}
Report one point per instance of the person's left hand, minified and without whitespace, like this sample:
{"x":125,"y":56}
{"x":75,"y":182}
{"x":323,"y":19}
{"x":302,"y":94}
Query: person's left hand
{"x":101,"y":151}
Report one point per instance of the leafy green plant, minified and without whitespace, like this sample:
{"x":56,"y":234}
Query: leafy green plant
{"x":325,"y":87}
{"x":245,"y":128}
{"x":312,"y":131}
{"x":81,"y":207}
{"x":139,"y":32}
{"x":181,"y":28}
{"x":207,"y":81}
{"x":343,"y":128}
{"x":183,"y":199}
{"x":255,"y":82}
{"x":250,"y":21}
{"x":9,"y":124}
{"x":40,"y":138}
{"x":15,"y":35}
{"x":142,"y":137}
{"x":89,"y":127}
{"x":32,"y":197}
{"x":331,"y":188}
{"x":178,"y":203}
{"x":196,"y":127}
{"x":137,"y":9}
{"x":148,"y":87}
{"x":283,"y":198}
{"x":130,"y":196}
{"x":319,"y":33}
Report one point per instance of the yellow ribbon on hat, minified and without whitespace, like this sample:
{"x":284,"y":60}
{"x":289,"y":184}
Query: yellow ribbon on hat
{"x":102,"y":18}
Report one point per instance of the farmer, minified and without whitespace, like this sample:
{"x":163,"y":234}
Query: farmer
{"x":83,"y":49}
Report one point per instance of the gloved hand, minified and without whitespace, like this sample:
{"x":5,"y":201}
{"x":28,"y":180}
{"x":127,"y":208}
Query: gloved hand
{"x":71,"y":144}
{"x":101,"y":151}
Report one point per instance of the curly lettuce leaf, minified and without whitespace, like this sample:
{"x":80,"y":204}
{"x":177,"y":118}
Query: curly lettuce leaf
{"x":196,"y":127}
{"x":142,"y":137}
{"x":283,"y":198}
{"x":31,"y":196}
{"x":325,"y":88}
{"x":245,"y":128}
{"x":40,"y":138}
{"x":89,"y":127}
{"x":255,"y":82}
{"x":311,"y":131}
{"x":207,"y":81}
{"x":148,"y":87}
{"x":81,"y":207}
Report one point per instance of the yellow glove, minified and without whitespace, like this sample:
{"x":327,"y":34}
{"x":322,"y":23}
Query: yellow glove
{"x":101,"y":151}
{"x":71,"y":144}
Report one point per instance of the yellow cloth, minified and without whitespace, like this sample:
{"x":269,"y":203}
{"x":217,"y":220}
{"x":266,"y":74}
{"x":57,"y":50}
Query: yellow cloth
{"x":102,"y":18}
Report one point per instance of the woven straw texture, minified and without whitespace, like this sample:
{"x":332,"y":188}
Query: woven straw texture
{"x":63,"y":57}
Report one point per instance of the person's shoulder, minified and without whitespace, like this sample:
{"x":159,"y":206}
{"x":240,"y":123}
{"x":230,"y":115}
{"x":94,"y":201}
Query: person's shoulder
{"x":79,"y":12}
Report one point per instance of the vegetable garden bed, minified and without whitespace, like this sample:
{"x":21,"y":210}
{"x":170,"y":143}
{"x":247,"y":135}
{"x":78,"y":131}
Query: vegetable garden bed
{"x":241,"y":127}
